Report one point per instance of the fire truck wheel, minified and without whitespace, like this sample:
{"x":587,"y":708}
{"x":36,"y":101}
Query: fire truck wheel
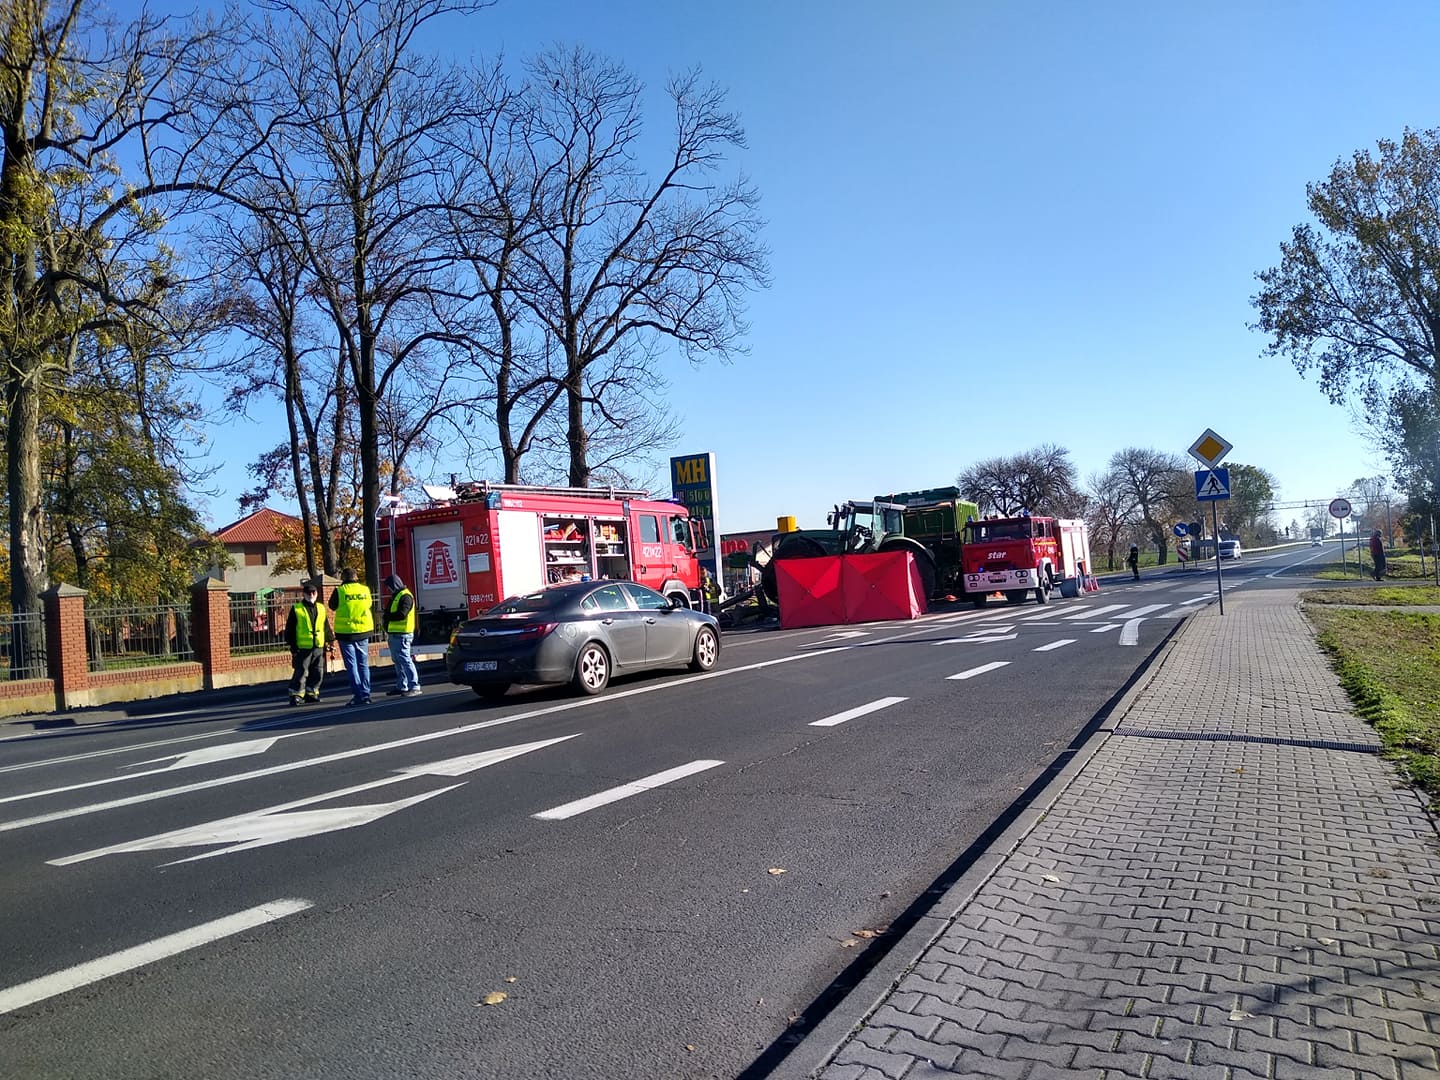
{"x":1042,"y":594}
{"x":1016,"y":596}
{"x":707,"y":650}
{"x":492,"y":691}
{"x":979,"y":600}
{"x":592,"y":669}
{"x":682,"y":597}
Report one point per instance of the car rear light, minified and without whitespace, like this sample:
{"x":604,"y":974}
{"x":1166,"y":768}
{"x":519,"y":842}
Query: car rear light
{"x":538,"y":630}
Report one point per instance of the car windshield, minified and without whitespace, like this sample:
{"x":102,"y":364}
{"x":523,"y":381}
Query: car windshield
{"x":547,"y":600}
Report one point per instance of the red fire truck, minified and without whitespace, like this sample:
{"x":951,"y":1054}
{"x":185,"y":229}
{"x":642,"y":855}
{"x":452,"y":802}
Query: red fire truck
{"x":481,"y":542}
{"x":1016,"y":554}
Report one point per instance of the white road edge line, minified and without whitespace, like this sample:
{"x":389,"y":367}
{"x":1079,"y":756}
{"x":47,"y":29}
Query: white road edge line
{"x":981,"y":670}
{"x":624,"y":791}
{"x":859,"y":710}
{"x":48,"y":986}
{"x":1197,"y":599}
{"x":1055,"y":645}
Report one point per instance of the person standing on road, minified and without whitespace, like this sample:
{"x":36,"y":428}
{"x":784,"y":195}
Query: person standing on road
{"x":1133,"y":560}
{"x":306,"y":634}
{"x":354,"y":609}
{"x":1377,"y":554}
{"x":400,"y":627}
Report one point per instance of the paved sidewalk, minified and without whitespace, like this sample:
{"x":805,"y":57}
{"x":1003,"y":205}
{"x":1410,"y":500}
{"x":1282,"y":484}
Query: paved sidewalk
{"x":1233,"y":885}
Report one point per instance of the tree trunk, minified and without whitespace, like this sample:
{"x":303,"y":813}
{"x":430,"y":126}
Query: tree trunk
{"x":576,"y":435}
{"x":28,"y":571}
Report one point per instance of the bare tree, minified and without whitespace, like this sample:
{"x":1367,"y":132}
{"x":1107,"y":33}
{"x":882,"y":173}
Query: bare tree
{"x":1040,"y":481}
{"x":350,"y":123}
{"x":621,"y":255}
{"x":1154,"y":482}
{"x":1110,"y":512}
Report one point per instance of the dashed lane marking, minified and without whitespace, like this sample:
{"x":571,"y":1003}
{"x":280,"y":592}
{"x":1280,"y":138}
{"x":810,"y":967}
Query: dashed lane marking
{"x":28,"y":993}
{"x":1097,"y":612}
{"x":981,"y":670}
{"x":1055,"y":645}
{"x":1105,"y":628}
{"x":859,"y":710}
{"x":1141,"y":612}
{"x":624,"y":791}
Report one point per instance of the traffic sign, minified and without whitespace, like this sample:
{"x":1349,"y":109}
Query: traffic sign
{"x":1212,"y":484}
{"x":1210,"y":449}
{"x":1181,"y":530}
{"x":1340,"y":508}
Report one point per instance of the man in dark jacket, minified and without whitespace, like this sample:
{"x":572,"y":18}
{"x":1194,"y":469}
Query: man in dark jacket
{"x":1377,"y":554}
{"x":1133,"y":560}
{"x":400,"y":628}
{"x":306,"y":633}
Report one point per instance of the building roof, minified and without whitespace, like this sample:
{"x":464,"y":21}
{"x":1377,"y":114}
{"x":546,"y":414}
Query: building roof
{"x":261,"y":527}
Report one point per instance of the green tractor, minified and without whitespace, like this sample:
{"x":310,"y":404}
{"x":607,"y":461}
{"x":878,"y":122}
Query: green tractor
{"x":856,"y":528}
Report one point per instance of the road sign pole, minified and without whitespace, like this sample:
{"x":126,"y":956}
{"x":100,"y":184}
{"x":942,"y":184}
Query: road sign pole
{"x":1344,"y":562}
{"x":1219,"y":578}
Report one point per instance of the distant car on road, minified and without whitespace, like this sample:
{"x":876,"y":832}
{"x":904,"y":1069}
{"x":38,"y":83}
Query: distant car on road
{"x":1316,"y":541}
{"x":1230,"y":549}
{"x":579,"y":633}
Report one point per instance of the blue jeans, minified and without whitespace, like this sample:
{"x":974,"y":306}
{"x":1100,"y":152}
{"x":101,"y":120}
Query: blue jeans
{"x":406,"y":677}
{"x":356,"y":653}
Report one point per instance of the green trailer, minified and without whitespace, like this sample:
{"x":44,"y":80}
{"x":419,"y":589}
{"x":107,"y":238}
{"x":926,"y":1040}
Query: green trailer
{"x":936,"y":517}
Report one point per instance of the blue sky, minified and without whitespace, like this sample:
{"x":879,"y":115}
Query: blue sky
{"x":998,"y":225}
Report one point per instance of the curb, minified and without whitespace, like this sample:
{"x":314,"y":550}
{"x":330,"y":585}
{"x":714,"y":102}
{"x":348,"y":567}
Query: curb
{"x":820,"y":1045}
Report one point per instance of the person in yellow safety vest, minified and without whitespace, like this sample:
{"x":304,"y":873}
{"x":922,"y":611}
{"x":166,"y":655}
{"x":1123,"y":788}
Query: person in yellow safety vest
{"x":400,"y":626}
{"x":306,"y":632}
{"x":354,"y":609}
{"x":711,"y":589}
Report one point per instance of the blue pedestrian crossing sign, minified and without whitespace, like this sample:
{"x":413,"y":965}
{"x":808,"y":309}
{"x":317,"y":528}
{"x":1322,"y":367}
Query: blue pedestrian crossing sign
{"x":1212,"y":484}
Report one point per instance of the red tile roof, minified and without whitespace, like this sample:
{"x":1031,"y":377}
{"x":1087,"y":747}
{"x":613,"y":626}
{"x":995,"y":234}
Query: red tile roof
{"x":261,"y":527}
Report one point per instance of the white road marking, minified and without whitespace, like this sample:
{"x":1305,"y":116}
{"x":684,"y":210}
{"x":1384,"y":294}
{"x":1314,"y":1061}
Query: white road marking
{"x":1197,"y":599}
{"x":106,"y":753}
{"x":1050,"y":613}
{"x":1103,"y":629}
{"x":624,"y":791}
{"x":1055,"y":645}
{"x":205,"y":756}
{"x":836,"y":637}
{"x":981,"y":670}
{"x":1141,"y":612}
{"x":1097,"y":612}
{"x":977,"y":639}
{"x":28,"y":993}
{"x":394,"y":744}
{"x":276,"y":824}
{"x":1130,"y":633}
{"x":861,"y":710}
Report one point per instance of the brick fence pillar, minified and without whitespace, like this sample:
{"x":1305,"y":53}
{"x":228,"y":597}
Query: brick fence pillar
{"x":210,"y":627}
{"x":65,"y":651}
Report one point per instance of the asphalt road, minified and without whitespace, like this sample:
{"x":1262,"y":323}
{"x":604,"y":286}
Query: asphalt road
{"x":668,"y":880}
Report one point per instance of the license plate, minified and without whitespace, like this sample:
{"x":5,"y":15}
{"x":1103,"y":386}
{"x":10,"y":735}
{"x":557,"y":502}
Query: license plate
{"x":480,"y":665}
{"x":998,"y":578}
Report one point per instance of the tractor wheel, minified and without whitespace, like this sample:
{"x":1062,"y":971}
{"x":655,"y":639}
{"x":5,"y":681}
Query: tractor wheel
{"x":980,"y":599}
{"x":1016,"y":596}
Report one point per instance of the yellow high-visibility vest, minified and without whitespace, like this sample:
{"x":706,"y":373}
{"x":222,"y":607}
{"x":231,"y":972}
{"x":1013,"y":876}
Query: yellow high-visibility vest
{"x":399,"y":625}
{"x":354,"y":612}
{"x":309,"y":633}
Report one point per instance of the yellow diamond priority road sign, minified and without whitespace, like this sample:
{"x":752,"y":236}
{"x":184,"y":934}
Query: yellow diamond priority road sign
{"x":1209,"y":449}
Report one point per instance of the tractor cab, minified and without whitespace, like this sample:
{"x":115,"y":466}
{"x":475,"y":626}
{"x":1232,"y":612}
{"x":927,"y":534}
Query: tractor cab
{"x":864,"y":526}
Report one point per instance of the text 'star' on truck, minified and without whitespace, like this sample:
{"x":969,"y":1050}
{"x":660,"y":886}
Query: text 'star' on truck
{"x":465,"y":554}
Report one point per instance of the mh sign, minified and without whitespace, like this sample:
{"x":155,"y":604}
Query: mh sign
{"x":692,"y":479}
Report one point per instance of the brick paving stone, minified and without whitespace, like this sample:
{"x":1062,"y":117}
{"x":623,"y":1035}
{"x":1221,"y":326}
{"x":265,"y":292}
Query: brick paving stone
{"x":1200,"y":880}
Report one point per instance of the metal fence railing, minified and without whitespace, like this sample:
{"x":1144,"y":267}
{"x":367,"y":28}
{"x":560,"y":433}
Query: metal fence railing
{"x":22,"y":646}
{"x":257,"y":621}
{"x":119,"y":637}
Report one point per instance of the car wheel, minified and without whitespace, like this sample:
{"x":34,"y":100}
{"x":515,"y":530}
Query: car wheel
{"x":707,"y":650}
{"x":592,"y":669}
{"x":492,"y":691}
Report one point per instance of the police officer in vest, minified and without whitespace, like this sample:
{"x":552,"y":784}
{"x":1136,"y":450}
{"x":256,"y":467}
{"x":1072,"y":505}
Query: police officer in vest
{"x":306,"y":634}
{"x":400,"y":626}
{"x":354,"y":609}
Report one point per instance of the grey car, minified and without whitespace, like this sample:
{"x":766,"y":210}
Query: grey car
{"x":581,"y":633}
